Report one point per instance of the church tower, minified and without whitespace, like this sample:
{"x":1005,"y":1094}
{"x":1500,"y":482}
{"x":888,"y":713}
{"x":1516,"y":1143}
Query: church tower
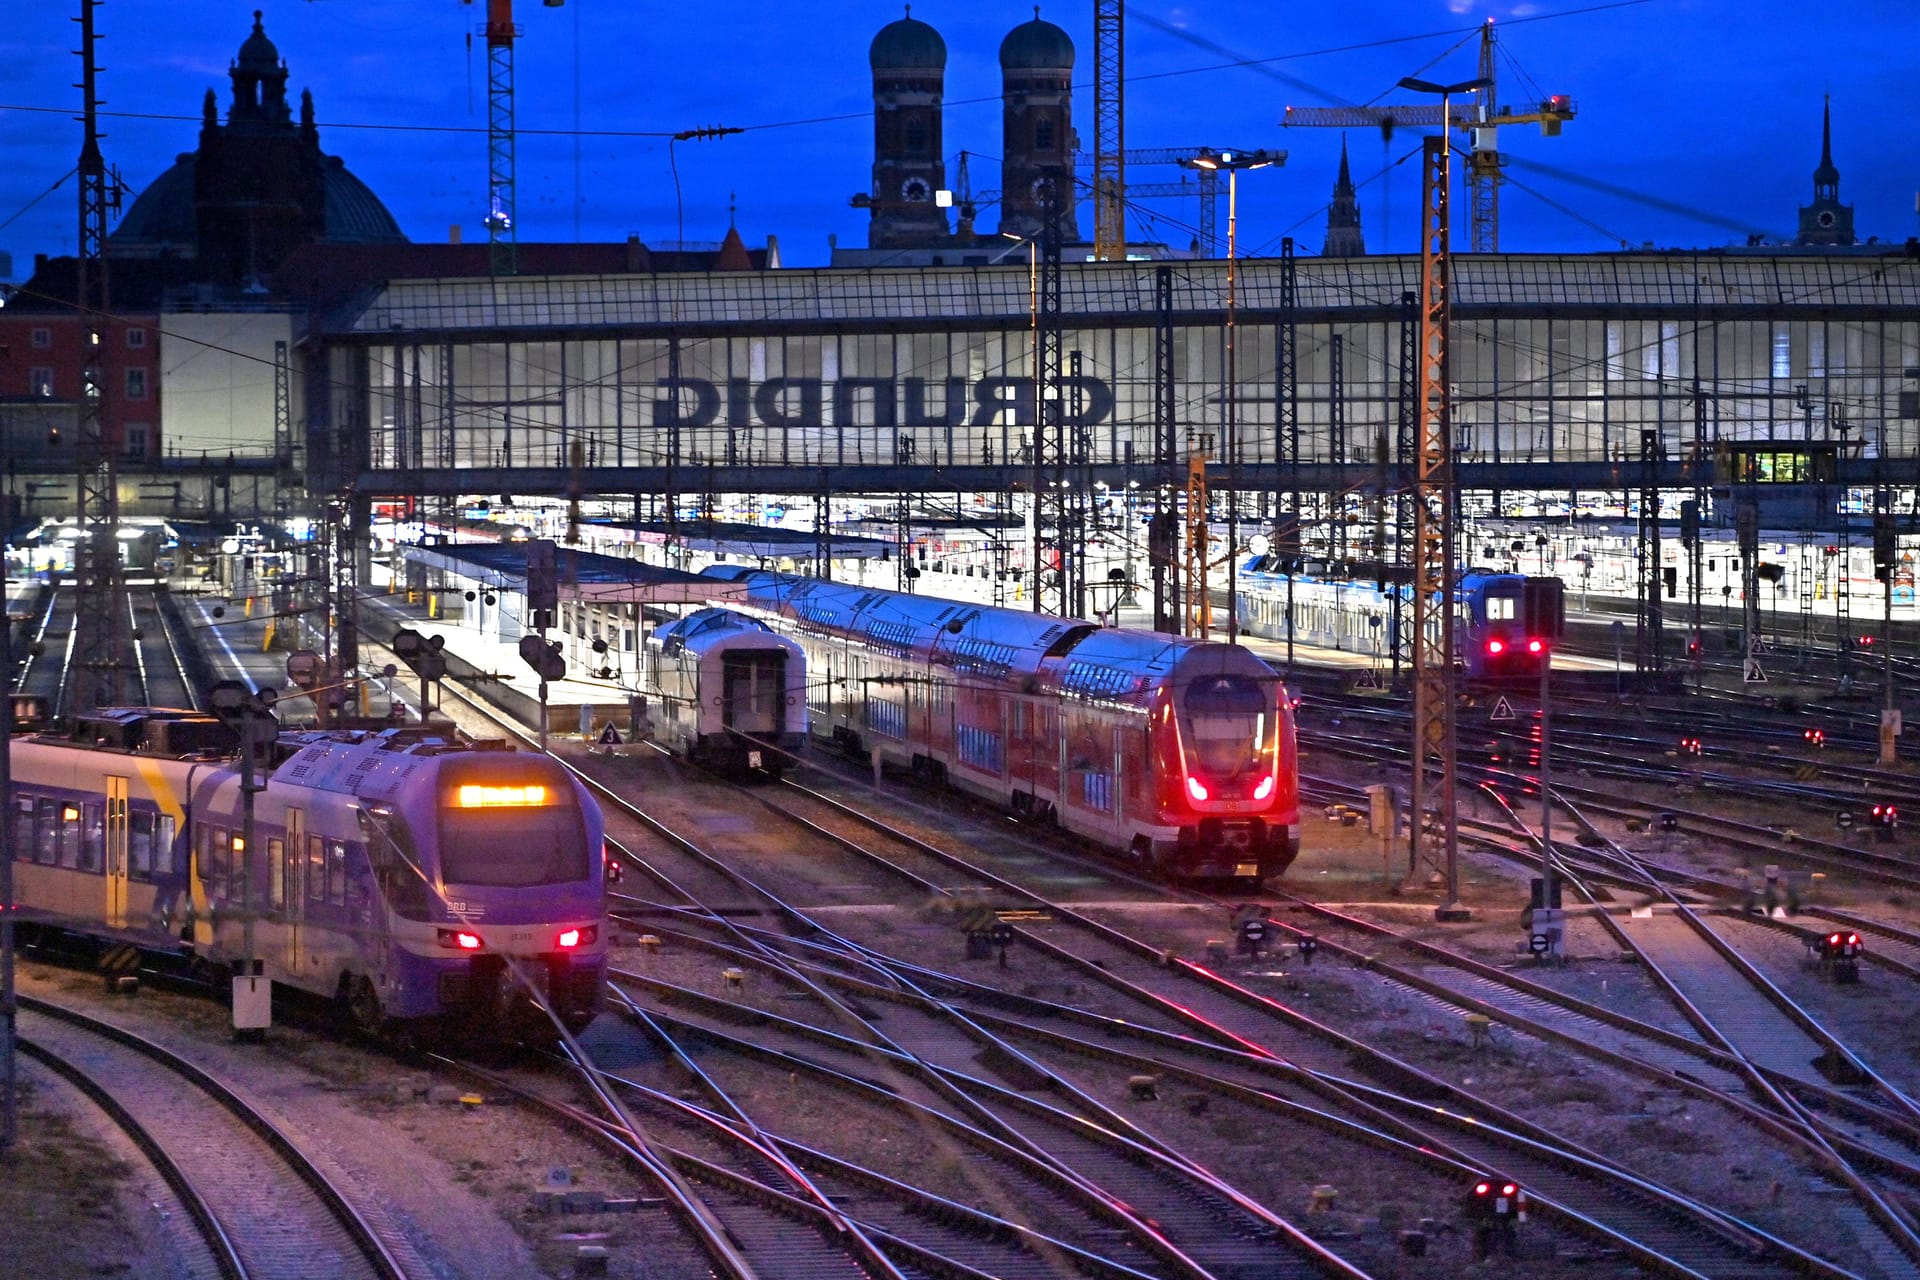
{"x":909,"y":61}
{"x":1826,"y":221}
{"x":1036,"y":71}
{"x":259,"y":183}
{"x":1343,"y":216}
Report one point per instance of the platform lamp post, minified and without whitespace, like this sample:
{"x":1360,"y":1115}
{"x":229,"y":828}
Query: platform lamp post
{"x":1232,"y":162}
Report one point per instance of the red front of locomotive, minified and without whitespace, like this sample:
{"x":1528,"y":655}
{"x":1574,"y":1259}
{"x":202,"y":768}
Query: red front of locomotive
{"x":1225,"y":768}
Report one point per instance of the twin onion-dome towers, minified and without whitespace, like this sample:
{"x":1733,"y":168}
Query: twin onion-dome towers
{"x":909,"y":61}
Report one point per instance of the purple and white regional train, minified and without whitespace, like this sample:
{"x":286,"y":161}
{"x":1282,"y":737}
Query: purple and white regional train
{"x":415,"y":877}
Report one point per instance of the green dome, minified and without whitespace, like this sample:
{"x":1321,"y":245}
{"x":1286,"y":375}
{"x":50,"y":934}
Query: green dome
{"x":907,"y":44}
{"x":1036,"y":46}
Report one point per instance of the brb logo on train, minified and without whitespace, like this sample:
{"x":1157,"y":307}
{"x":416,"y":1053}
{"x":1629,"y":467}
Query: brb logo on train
{"x":873,"y":402}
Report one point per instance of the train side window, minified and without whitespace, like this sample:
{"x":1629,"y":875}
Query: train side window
{"x":316,"y":869}
{"x":23,"y":829}
{"x":93,"y":835}
{"x":70,"y":836}
{"x":276,"y":872}
{"x":140,"y":845}
{"x":166,"y":857}
{"x":337,"y":873}
{"x":219,"y":858}
{"x":46,"y":831}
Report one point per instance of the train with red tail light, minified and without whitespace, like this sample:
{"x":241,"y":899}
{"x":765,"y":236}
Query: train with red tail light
{"x":421,"y":879}
{"x":1176,"y":754}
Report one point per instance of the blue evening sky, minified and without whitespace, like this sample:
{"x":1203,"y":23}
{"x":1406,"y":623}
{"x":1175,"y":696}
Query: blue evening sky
{"x":1709,"y":106}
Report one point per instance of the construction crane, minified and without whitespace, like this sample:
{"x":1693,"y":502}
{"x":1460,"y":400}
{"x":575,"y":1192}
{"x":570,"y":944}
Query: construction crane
{"x":502,"y":245}
{"x":1480,"y":119}
{"x":1208,"y":187}
{"x":1109,"y":132}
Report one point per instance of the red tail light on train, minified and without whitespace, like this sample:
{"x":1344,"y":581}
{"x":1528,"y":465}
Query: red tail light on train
{"x":1197,"y":789}
{"x":1496,"y":646}
{"x":460,"y":940}
{"x":1264,"y":788}
{"x":1536,"y":645}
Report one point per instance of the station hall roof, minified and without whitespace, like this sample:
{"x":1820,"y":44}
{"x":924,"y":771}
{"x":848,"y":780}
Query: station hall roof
{"x":583,"y":575}
{"x":757,"y":541}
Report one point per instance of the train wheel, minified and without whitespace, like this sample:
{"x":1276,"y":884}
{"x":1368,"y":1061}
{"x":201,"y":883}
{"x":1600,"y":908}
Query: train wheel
{"x":363,"y":1004}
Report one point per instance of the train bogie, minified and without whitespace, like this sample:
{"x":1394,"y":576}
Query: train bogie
{"x":413,"y":879}
{"x":727,"y":691}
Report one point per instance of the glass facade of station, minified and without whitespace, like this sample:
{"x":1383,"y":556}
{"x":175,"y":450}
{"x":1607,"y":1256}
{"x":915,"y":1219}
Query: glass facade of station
{"x":1554,"y":360}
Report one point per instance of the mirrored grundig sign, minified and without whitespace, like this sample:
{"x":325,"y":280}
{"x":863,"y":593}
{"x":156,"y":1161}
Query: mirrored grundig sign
{"x":880,"y":402}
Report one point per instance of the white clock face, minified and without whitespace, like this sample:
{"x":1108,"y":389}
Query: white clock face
{"x":1042,"y":189}
{"x":916,"y":190}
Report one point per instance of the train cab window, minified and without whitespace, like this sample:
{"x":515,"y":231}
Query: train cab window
{"x":395,"y":863}
{"x":1501,"y":608}
{"x":514,"y":846}
{"x":276,"y":872}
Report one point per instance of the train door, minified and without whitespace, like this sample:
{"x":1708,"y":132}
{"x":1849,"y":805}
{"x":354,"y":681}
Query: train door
{"x":116,"y":852}
{"x":752,"y":686}
{"x":293,"y":877}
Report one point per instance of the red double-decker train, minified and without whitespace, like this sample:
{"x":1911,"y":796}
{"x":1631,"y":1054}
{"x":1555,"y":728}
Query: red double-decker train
{"x":1178,"y":754}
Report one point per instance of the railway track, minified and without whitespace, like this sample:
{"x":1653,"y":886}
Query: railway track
{"x":1740,"y":1240}
{"x":262,"y":1208}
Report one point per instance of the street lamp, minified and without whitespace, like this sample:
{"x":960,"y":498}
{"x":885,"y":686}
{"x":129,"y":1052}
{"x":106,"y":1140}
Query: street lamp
{"x":1232,"y":162}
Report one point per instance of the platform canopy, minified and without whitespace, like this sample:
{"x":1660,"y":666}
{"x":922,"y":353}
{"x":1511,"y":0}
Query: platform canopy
{"x":762,"y":542}
{"x":583,"y":575}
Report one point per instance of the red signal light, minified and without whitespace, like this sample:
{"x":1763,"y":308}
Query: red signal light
{"x":1508,"y":1189}
{"x":1197,"y":789}
{"x":1482,"y":1188}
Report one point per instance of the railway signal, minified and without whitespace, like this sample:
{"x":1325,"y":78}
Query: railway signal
{"x":1885,"y":820}
{"x":543,"y":656}
{"x":1840,"y":953}
{"x":1495,"y":1207}
{"x":1816,"y":737}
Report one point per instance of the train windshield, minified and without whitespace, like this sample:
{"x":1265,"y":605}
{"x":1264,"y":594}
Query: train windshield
{"x":512,"y":836}
{"x":1229,"y":723}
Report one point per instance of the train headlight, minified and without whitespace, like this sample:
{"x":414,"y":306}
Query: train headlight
{"x":459,"y":940}
{"x":1264,"y":789}
{"x":572,"y":938}
{"x":1197,"y":789}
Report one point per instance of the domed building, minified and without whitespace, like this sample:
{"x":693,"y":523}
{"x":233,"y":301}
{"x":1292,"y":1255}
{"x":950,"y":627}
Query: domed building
{"x":909,"y":62}
{"x":258,"y":187}
{"x":1036,"y":154}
